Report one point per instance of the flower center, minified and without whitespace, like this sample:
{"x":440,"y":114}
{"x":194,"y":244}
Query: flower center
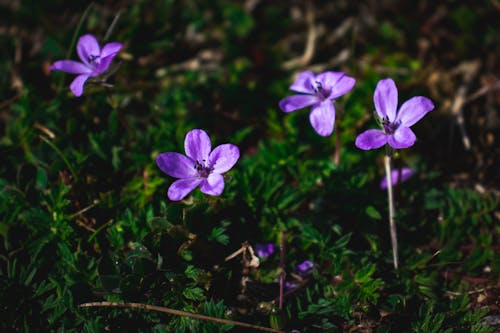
{"x":94,"y":59}
{"x":390,"y":128}
{"x":202,"y":170}
{"x":321,"y":92}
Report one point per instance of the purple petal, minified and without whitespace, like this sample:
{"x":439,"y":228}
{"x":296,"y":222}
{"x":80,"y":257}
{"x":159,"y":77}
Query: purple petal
{"x":295,"y":102}
{"x":213,"y":184}
{"x":414,"y":109}
{"x":104,"y":64}
{"x":180,"y":188}
{"x":77,"y":85}
{"x":303,"y":83}
{"x":305,"y":267}
{"x":70,"y":66}
{"x":371,"y":139}
{"x":176,"y":165}
{"x":322,"y":118}
{"x":109,"y":52}
{"x":403,"y":137}
{"x":111,"y":49}
{"x":328,"y":80}
{"x":87,"y":48}
{"x":264,"y":250}
{"x":385,"y":99}
{"x":223,"y":158}
{"x":197,"y":145}
{"x":406,"y":173}
{"x":343,"y":86}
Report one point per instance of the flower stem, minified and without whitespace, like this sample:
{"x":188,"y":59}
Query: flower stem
{"x":282,"y":268}
{"x":392,"y":223}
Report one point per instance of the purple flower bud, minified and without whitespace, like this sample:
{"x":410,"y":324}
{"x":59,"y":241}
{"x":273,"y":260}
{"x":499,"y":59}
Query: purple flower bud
{"x":264,"y":250}
{"x":305,"y":267}
{"x":406,"y":173}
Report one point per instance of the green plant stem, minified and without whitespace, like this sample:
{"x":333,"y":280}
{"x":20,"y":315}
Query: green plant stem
{"x":61,"y":155}
{"x":178,"y":313}
{"x":282,"y":268}
{"x":390,"y":198}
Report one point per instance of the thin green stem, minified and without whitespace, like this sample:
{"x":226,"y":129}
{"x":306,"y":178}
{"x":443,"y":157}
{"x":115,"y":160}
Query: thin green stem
{"x":61,"y":155}
{"x":282,"y":268}
{"x":392,"y":223}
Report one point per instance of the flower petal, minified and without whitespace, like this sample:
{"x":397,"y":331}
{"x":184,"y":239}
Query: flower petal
{"x":181,"y":187}
{"x":295,"y":102}
{"x":213,"y":184}
{"x":406,"y":173}
{"x":329,"y":79}
{"x":223,"y":158}
{"x":403,"y":137}
{"x":413,"y":110}
{"x":109,"y":52}
{"x":197,"y":145}
{"x":104,"y":64}
{"x":176,"y":165}
{"x":303,"y":83}
{"x":87,"y":48}
{"x":371,"y":139}
{"x":70,"y":66}
{"x":322,"y":117}
{"x":385,"y":99}
{"x":111,"y":49}
{"x":342,"y":86}
{"x":77,"y":85}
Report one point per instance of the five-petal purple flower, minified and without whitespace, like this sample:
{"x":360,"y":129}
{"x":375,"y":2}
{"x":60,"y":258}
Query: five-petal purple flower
{"x":395,"y":123}
{"x":406,"y":173}
{"x":94,"y":61}
{"x":202,"y":166}
{"x":319,"y":91}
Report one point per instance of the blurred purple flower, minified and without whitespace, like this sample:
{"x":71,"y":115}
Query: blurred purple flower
{"x":395,"y":124}
{"x":94,"y":61}
{"x":202,"y":166}
{"x":406,"y":173}
{"x":319,"y":91}
{"x":264,"y":250}
{"x":305,"y":267}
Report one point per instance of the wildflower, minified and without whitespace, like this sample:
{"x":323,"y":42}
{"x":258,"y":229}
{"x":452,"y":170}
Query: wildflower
{"x":305,"y":267}
{"x":94,"y":61}
{"x":264,"y":250}
{"x":319,"y":91}
{"x":202,"y":166}
{"x":395,"y":124}
{"x":406,"y":173}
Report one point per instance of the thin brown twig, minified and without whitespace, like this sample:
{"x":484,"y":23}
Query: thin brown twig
{"x":178,"y":313}
{"x":310,"y":47}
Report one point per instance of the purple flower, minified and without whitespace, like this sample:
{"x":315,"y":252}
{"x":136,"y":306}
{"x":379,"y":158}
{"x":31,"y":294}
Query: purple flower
{"x":305,"y":267}
{"x":406,"y":173}
{"x":319,"y":91}
{"x":395,"y":124}
{"x":202,"y":166}
{"x":94,"y":61}
{"x":264,"y":250}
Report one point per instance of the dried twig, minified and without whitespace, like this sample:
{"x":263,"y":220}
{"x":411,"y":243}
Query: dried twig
{"x":177,"y":313}
{"x":312,"y":34}
{"x":469,"y":71}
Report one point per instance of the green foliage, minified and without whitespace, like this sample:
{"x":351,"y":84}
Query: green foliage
{"x":84,"y":215}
